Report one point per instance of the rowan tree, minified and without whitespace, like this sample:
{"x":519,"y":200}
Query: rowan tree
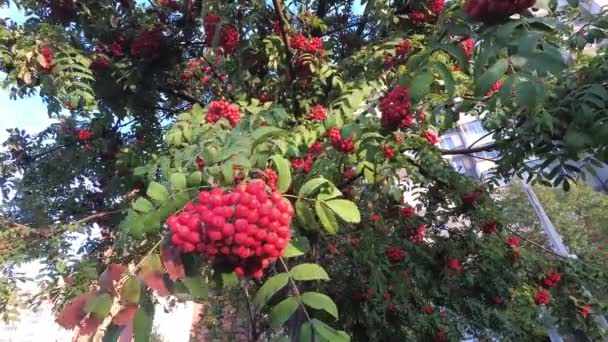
{"x":288,"y":150}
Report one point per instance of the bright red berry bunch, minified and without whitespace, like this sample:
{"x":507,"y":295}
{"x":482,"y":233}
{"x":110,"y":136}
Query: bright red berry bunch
{"x":402,"y":48}
{"x":395,"y":255}
{"x":247,"y":228}
{"x":495,"y":88}
{"x":317,"y":113}
{"x":489,"y":227}
{"x":491,"y":11}
{"x":147,"y":44}
{"x":436,"y":6}
{"x":513,"y":241}
{"x":223,"y":109}
{"x":316,"y":148}
{"x":84,"y":135}
{"x":395,"y":108}
{"x":542,"y":297}
{"x":228,"y":35}
{"x":454,"y":264}
{"x":468,"y":45}
{"x":301,"y":43}
{"x":388,"y":152}
{"x":271,"y":178}
{"x":341,"y":145}
{"x":431,"y":137}
{"x":47,"y":59}
{"x":305,"y":164}
{"x":551,"y":279}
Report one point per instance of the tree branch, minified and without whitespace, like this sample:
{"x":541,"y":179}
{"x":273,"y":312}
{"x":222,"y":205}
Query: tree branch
{"x":278,"y":8}
{"x":182,"y":94}
{"x":488,"y":147}
{"x":535,"y":243}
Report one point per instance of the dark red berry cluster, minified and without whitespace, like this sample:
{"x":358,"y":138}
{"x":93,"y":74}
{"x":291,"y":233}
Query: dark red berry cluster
{"x":317,"y":113}
{"x":172,"y":5}
{"x":388,"y":151}
{"x":147,"y":44}
{"x":489,"y":227}
{"x":402,"y":48}
{"x":47,"y":59}
{"x":305,"y":164}
{"x":431,"y":137}
{"x":228,"y":35}
{"x":300,"y":42}
{"x":395,"y":255}
{"x":491,"y":11}
{"x":419,"y":17}
{"x":395,"y":108}
{"x":271,"y":178}
{"x":247,"y":228}
{"x":345,"y":145}
{"x":551,"y":279}
{"x":223,"y":109}
{"x":100,"y":63}
{"x":468,"y":45}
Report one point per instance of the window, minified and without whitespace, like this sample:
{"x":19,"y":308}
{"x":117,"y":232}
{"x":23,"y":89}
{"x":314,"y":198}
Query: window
{"x":487,"y":154}
{"x":458,"y":166}
{"x":474,"y":127}
{"x":447,"y":143}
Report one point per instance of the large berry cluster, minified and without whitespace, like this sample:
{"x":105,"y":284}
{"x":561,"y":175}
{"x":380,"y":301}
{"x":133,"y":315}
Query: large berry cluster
{"x":542,"y":297}
{"x":228,"y":35}
{"x":395,"y":255}
{"x":419,"y":17}
{"x":491,"y":11}
{"x":222,"y":109}
{"x":395,"y":108}
{"x":147,"y":44}
{"x":247,"y":228}
{"x":345,"y":145}
{"x":301,"y":43}
{"x":317,"y":113}
{"x":47,"y":58}
{"x":551,"y":279}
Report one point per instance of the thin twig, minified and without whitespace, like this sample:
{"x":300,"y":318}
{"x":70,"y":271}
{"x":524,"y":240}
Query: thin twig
{"x":254,"y":334}
{"x":488,"y":147}
{"x":535,"y":243}
{"x":296,"y":291}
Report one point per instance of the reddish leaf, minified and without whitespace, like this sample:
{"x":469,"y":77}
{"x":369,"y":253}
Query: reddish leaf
{"x":125,"y":315}
{"x":156,"y":282}
{"x":173,"y":262}
{"x":110,"y":276}
{"x":89,"y":326}
{"x":127,"y":333}
{"x":74,"y":312}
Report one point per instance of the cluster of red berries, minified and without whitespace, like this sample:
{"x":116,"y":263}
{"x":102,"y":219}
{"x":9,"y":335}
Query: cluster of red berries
{"x":431,"y":137}
{"x":194,"y":66}
{"x":316,"y":148}
{"x":246,"y":229}
{"x":495,"y":88}
{"x":395,"y":255}
{"x":223,"y":109}
{"x":489,"y":227}
{"x":388,"y":151}
{"x":200,"y":164}
{"x":491,"y":11}
{"x":271,"y":178}
{"x":585,"y":311}
{"x":341,"y":145}
{"x":317,"y":113}
{"x":542,"y":297}
{"x":147,"y":44}
{"x":301,"y":43}
{"x":395,"y":108}
{"x":551,"y":279}
{"x":468,"y":45}
{"x":172,"y":5}
{"x":419,"y":236}
{"x":455,"y":264}
{"x":419,"y":17}
{"x":408,"y":211}
{"x":513,"y":241}
{"x":100,"y":63}
{"x":64,"y":10}
{"x":228,"y":35}
{"x":469,"y":198}
{"x":47,"y":59}
{"x":84,"y":135}
{"x":305,"y":164}
{"x":402,"y":48}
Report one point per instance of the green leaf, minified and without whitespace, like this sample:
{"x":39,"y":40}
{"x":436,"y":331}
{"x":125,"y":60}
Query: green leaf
{"x":142,"y":324}
{"x":311,"y":186}
{"x":307,"y":332}
{"x":112,"y":333}
{"x":270,"y":288}
{"x":284,"y":170}
{"x":131,"y":291}
{"x":457,"y":52}
{"x":490,"y":76}
{"x":329,"y":333}
{"x":178,"y":180}
{"x":297,"y":247}
{"x":327,"y":218}
{"x":420,"y":86}
{"x":157,"y":192}
{"x":308,"y":272}
{"x":99,"y":305}
{"x":448,"y":79}
{"x":526,"y":95}
{"x":320,"y":301}
{"x":143,"y":205}
{"x":281,"y":312}
{"x":195,"y":178}
{"x":345,"y":209}
{"x":197,"y":286}
{"x":305,"y":215}
{"x":151,"y":264}
{"x":263,"y":133}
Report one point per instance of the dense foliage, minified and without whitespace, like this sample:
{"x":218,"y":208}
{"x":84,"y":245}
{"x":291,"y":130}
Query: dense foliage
{"x":289,"y":150}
